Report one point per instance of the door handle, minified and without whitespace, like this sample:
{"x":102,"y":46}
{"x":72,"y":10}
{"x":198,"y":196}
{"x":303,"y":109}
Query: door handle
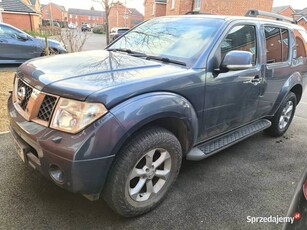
{"x":255,"y":81}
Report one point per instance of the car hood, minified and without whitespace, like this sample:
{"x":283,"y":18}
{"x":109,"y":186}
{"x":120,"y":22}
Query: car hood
{"x":81,"y":74}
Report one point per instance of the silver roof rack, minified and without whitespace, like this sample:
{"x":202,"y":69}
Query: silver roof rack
{"x":255,"y":13}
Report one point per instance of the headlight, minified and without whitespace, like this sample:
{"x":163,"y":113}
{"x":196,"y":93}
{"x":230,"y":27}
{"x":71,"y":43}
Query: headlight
{"x":72,"y":116}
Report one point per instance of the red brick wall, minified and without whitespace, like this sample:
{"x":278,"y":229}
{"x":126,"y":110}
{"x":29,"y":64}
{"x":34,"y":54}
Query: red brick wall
{"x":235,"y":7}
{"x":303,"y":23}
{"x":22,"y":21}
{"x":79,"y":19}
{"x":160,"y":9}
{"x":116,"y":17}
{"x":181,"y":7}
{"x":287,"y":12}
{"x":53,"y":11}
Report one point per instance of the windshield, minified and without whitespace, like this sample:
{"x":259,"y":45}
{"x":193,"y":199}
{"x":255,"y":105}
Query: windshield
{"x":179,"y":38}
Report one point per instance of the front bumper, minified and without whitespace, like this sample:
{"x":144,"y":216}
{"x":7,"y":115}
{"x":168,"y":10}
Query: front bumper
{"x":84,"y":159}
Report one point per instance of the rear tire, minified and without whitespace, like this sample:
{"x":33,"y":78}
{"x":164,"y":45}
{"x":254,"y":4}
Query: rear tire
{"x":283,"y":117}
{"x":143,"y":172}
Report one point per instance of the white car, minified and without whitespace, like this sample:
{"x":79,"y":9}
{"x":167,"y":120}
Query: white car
{"x":72,"y":26}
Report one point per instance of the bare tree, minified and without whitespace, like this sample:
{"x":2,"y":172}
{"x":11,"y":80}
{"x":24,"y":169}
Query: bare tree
{"x":107,"y":6}
{"x":73,"y":40}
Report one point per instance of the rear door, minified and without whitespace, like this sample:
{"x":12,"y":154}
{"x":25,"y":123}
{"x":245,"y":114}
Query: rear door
{"x":278,"y":68}
{"x":231,"y":98}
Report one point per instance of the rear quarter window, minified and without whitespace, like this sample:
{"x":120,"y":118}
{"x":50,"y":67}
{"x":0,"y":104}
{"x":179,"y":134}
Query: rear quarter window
{"x":301,"y":43}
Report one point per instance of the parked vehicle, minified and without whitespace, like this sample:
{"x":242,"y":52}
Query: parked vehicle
{"x":118,"y":122}
{"x":17,"y":46}
{"x":85,"y":27}
{"x":72,"y":26}
{"x":117,"y":32}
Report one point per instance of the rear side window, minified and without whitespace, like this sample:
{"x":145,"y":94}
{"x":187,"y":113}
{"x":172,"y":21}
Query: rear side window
{"x":301,"y":43}
{"x":241,"y":37}
{"x":277,"y":44}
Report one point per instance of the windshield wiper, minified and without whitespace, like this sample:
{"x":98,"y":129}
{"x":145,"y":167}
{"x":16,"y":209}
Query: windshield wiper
{"x":148,"y":57}
{"x":133,"y":53}
{"x":164,"y":59}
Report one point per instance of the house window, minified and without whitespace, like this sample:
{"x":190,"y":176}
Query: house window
{"x":196,"y":4}
{"x":89,"y":17}
{"x":172,"y":4}
{"x":70,"y":16}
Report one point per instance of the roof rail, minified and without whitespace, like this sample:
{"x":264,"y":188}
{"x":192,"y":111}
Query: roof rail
{"x":196,"y":12}
{"x":255,"y":13}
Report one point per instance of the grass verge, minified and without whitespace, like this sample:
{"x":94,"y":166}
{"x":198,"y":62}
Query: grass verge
{"x":6,"y":84}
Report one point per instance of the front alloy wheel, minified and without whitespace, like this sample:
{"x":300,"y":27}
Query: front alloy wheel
{"x":143,"y":172}
{"x":149,"y":175}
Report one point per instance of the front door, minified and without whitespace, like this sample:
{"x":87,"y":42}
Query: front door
{"x":231,"y":97}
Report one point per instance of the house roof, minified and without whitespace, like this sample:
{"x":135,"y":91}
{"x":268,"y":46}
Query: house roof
{"x":33,"y":2}
{"x":95,"y":13}
{"x":135,"y":12}
{"x":279,"y":9}
{"x":302,"y":12}
{"x":62,"y":8}
{"x":16,"y":6}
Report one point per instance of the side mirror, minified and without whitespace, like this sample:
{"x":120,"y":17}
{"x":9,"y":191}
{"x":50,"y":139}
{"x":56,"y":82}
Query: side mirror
{"x":237,"y":60}
{"x":23,"y":37}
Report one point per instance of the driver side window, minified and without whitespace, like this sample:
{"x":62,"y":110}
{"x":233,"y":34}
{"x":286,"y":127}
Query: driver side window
{"x":8,"y":33}
{"x":241,"y":38}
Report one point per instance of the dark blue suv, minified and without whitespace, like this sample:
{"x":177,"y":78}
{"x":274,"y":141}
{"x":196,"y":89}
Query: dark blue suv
{"x":117,"y":122}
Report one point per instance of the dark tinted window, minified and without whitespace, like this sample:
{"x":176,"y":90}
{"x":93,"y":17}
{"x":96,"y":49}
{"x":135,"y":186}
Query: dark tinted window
{"x":122,"y":31}
{"x":240,"y":38}
{"x":277,"y":44}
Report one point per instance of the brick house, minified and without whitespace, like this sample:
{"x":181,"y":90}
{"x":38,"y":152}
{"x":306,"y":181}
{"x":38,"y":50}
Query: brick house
{"x":154,"y":8}
{"x":35,"y":4}
{"x":287,"y":11}
{"x":301,"y":16}
{"x":21,"y":15}
{"x":121,"y":16}
{"x":79,"y":16}
{"x":54,"y":12}
{"x":223,"y":7}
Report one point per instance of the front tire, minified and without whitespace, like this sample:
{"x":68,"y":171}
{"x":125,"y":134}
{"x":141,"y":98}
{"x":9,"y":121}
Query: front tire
{"x":143,"y":172}
{"x":283,"y":117}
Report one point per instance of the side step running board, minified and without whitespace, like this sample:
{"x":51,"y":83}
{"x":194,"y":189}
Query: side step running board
{"x":219,"y":143}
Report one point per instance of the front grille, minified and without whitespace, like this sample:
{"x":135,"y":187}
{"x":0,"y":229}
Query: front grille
{"x":46,"y":108}
{"x":28,"y":91}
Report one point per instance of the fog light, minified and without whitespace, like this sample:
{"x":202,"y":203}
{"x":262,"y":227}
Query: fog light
{"x":56,"y":174}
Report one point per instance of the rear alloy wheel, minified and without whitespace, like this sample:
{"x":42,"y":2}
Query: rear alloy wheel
{"x":143,"y":172}
{"x":283,"y":117}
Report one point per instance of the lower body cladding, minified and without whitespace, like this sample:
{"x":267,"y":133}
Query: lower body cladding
{"x":78,"y":163}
